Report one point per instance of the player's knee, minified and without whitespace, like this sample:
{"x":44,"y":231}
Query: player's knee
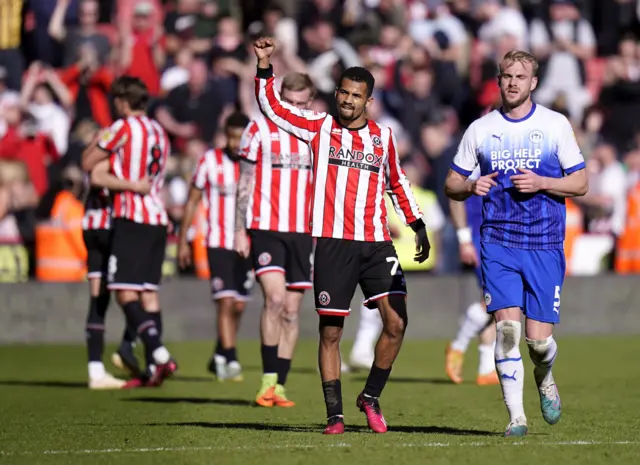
{"x":539,"y":351}
{"x":239,"y":306}
{"x":508,"y":335}
{"x":289,"y":317}
{"x":274,"y":302}
{"x":330,"y":328}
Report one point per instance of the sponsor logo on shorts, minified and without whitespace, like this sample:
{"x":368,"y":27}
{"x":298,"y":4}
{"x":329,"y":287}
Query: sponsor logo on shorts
{"x":487,"y":298}
{"x":112,"y":268}
{"x":324,"y":298}
{"x":264,"y":259}
{"x":217,"y":284}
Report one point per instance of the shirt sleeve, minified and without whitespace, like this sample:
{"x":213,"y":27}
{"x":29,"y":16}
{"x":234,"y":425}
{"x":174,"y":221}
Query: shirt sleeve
{"x":399,"y":188}
{"x":115,"y":136}
{"x":466,"y":158}
{"x":250,"y":146}
{"x":199,"y":180}
{"x":569,"y":153}
{"x":303,"y":124}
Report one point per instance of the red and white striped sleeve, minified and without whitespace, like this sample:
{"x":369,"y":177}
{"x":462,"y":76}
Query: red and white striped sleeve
{"x":250,"y":145}
{"x":199,"y":180}
{"x":398,"y":186}
{"x":115,"y":136}
{"x":303,"y":124}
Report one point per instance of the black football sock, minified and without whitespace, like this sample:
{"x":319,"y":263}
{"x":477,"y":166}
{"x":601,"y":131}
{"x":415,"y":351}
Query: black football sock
{"x":333,"y":397}
{"x":376,"y":381}
{"x":95,"y":331}
{"x":230,"y":354}
{"x":284,"y":365}
{"x":144,"y":324}
{"x":269,"y":358}
{"x":148,"y":353}
{"x":129,"y":336}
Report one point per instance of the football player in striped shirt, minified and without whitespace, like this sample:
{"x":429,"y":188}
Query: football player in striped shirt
{"x":273,"y":210}
{"x":355,"y":162}
{"x":137,"y":147}
{"x":215,"y":181}
{"x":529,"y":163}
{"x":96,"y":226}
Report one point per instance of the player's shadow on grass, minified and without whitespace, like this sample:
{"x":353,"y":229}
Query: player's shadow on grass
{"x":52,"y":384}
{"x":407,"y":380}
{"x":191,"y":400}
{"x":319,"y":427}
{"x":294,"y":369}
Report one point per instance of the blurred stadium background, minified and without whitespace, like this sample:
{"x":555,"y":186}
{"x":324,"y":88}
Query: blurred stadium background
{"x":435,"y":67}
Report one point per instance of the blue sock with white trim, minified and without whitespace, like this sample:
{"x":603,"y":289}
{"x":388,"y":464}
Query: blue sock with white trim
{"x":510,"y":367}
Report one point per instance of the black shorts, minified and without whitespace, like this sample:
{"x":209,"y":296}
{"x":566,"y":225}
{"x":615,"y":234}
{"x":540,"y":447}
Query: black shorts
{"x":231,"y":275}
{"x":285,"y":252}
{"x":340,"y":265}
{"x":137,"y":255}
{"x":97,"y":242}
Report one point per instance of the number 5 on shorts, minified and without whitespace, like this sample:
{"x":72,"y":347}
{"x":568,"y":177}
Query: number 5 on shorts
{"x":394,"y":268}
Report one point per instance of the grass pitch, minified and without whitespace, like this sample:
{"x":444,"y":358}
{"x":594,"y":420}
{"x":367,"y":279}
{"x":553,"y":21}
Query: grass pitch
{"x":48,"y":416}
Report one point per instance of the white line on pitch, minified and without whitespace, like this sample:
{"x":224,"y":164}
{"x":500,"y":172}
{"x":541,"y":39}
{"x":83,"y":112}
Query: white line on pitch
{"x":313,"y":446}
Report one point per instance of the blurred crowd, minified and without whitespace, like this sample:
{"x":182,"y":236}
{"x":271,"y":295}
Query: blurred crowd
{"x":435,"y":64}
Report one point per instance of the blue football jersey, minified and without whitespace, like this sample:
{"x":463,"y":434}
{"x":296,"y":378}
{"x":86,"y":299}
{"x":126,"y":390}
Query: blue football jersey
{"x":543,"y":142}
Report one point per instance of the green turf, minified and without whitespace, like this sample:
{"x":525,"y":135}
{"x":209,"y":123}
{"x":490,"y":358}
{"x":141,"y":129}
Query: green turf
{"x":48,"y":416}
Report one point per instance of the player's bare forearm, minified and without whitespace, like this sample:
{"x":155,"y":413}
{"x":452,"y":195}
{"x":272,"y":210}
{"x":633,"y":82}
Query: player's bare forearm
{"x":457,"y":187}
{"x":245,"y":187}
{"x":92,"y":155}
{"x":195,"y":195}
{"x":574,"y":185}
{"x":101,"y":177}
{"x":458,"y":213}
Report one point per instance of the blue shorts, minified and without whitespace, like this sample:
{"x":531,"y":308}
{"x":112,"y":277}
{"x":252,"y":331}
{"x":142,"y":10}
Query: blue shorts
{"x":529,"y":279}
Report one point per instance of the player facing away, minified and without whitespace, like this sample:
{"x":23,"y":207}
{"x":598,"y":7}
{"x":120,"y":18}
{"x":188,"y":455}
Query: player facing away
{"x":139,"y":148}
{"x":273,"y":211}
{"x":530,"y":162}
{"x":354,"y":162}
{"x":467,"y":218}
{"x":215,"y":180}
{"x":96,"y":225}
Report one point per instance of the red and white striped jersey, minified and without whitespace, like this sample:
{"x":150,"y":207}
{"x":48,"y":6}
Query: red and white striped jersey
{"x":217,"y":177}
{"x":141,"y":148}
{"x":352,"y":169}
{"x":97,"y":209}
{"x":282,"y":187}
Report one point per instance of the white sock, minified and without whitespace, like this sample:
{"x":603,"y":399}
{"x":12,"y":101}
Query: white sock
{"x":161,"y":355}
{"x":543,"y":354}
{"x":471,"y":324}
{"x":369,"y":327}
{"x":510,"y":367}
{"x":96,"y":370}
{"x":486,"y":358}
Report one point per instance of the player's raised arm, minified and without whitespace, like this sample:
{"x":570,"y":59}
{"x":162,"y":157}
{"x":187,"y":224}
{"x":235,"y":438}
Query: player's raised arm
{"x":301,"y":123}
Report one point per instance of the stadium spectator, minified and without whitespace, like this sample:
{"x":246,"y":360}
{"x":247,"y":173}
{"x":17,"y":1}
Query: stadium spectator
{"x":85,"y":33}
{"x":41,"y":91}
{"x":142,"y":54}
{"x":178,"y":74}
{"x":11,"y":58}
{"x":193,"y":109}
{"x":563,"y":45}
{"x":89,"y":82}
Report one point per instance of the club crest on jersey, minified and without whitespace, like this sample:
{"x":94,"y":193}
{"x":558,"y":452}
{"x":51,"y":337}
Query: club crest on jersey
{"x":536,"y":136}
{"x":355,"y":159}
{"x":264,"y":259}
{"x":217,"y":284}
{"x":324,"y":298}
{"x":487,"y":298}
{"x":376,"y":141}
